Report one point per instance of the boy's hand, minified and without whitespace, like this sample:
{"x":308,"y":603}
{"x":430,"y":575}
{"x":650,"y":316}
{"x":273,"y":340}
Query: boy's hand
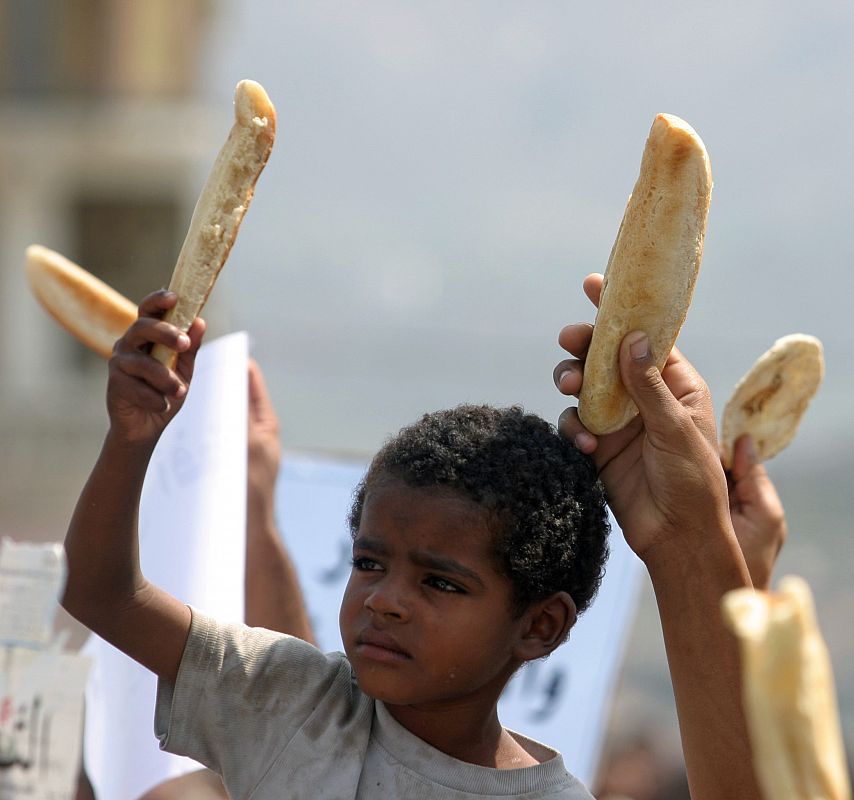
{"x":142,"y":394}
{"x":757,"y":513}
{"x":662,"y":472}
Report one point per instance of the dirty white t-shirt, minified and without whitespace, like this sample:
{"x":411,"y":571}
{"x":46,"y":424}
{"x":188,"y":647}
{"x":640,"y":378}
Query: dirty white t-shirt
{"x":279,"y":719}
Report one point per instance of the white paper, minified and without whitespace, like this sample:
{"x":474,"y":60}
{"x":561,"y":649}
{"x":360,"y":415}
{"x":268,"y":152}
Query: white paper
{"x":192,"y":543}
{"x":31,"y":577}
{"x":41,"y":719}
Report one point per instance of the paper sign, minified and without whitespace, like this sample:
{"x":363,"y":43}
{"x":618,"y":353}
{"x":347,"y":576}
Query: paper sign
{"x":192,"y":543}
{"x":41,"y":722}
{"x":31,"y":577}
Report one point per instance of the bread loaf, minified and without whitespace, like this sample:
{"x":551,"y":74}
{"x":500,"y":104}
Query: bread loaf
{"x":653,"y":267}
{"x":84,"y":305}
{"x":221,"y":206}
{"x":788,"y":693}
{"x":769,"y":401}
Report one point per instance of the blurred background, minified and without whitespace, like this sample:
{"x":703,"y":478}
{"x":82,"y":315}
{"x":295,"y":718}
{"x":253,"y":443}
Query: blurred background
{"x":445,"y":175}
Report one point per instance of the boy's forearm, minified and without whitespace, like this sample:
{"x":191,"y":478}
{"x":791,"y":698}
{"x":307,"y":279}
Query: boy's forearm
{"x":690,"y":576}
{"x":105,"y":589}
{"x":102,"y":544}
{"x":273,"y":596}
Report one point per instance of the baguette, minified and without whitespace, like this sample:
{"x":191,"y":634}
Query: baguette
{"x":88,"y":308}
{"x":653,"y":267}
{"x":220,"y":208}
{"x":769,"y":401}
{"x":788,"y":693}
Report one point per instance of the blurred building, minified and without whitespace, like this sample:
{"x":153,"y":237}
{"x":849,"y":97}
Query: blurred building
{"x":103,"y":137}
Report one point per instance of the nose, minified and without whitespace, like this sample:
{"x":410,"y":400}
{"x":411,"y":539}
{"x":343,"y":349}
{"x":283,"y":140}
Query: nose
{"x":387,"y":599}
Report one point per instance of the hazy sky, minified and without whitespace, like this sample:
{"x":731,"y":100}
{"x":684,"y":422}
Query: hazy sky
{"x":446,"y":174}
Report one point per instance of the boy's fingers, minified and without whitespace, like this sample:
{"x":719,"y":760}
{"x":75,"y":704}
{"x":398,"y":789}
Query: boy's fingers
{"x":576,"y":338}
{"x":150,"y":372}
{"x":147,"y":330}
{"x":141,"y":394}
{"x":154,"y":304}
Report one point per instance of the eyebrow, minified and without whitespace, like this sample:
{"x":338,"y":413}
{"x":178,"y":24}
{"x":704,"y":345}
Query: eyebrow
{"x":420,"y":558}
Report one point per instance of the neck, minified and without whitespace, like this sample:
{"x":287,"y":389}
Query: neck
{"x":465,"y":732}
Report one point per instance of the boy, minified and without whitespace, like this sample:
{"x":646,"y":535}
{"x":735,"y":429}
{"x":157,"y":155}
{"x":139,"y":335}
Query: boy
{"x":437,"y":615}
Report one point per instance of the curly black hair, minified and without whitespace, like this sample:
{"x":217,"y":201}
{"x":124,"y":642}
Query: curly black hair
{"x":544,"y":502}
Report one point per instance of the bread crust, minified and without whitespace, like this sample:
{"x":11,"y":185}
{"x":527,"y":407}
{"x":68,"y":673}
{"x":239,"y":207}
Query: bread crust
{"x":93,"y":312}
{"x":653,"y":267}
{"x":772,"y":397}
{"x":789,"y":693}
{"x":221,"y":207}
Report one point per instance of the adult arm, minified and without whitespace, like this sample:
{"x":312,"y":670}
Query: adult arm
{"x":668,"y":492}
{"x":273,"y":597}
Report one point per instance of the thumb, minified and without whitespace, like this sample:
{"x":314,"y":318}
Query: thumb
{"x":642,"y":379}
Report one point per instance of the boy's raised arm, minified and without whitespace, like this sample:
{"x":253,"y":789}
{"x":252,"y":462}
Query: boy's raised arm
{"x":668,"y":492}
{"x":106,"y":590}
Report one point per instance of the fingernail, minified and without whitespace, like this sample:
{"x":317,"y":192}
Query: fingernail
{"x":183,"y":340}
{"x":562,"y":376}
{"x":181,"y":390}
{"x":639,"y":345}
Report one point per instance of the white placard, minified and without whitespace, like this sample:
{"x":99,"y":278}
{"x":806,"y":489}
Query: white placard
{"x":192,"y":543}
{"x":31,"y":577}
{"x":41,"y":721}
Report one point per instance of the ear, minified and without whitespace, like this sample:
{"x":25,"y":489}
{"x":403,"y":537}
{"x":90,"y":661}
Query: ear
{"x":547,"y":624}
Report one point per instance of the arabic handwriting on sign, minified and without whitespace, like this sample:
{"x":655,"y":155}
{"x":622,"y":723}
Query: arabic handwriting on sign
{"x":11,"y":752}
{"x":342,"y":566}
{"x":540,"y":687}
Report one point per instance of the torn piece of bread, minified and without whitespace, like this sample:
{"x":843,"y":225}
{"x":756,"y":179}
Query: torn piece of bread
{"x":653,"y":267}
{"x":84,"y":305}
{"x":771,"y":398}
{"x":221,"y":207}
{"x":789,"y":694}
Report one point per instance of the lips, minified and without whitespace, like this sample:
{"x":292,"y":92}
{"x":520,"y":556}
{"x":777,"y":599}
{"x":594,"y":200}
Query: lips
{"x":380,"y":646}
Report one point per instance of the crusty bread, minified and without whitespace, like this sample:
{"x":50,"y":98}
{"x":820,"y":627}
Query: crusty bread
{"x":769,"y":401}
{"x":650,"y":276}
{"x":788,"y":693}
{"x":84,"y":305}
{"x":221,"y":206}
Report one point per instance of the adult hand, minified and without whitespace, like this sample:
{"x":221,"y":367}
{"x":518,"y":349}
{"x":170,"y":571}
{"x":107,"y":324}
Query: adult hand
{"x":662,"y":472}
{"x":757,"y":514}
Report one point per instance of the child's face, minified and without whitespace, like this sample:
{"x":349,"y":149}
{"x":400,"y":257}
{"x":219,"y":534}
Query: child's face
{"x":426,"y":617}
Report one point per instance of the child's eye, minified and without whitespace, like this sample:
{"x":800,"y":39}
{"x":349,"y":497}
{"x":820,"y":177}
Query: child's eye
{"x":364,"y":564}
{"x":443,"y":585}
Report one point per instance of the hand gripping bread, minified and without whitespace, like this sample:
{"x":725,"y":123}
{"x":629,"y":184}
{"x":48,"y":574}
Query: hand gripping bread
{"x":221,"y":206}
{"x":769,"y":401}
{"x":788,"y":693}
{"x":84,"y":305}
{"x":650,"y":276}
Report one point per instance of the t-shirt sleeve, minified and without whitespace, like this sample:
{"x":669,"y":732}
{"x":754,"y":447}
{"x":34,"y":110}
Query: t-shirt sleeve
{"x":242,"y":694}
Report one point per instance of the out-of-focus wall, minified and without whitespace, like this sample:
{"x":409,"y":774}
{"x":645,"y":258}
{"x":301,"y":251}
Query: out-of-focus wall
{"x":104,"y":140}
